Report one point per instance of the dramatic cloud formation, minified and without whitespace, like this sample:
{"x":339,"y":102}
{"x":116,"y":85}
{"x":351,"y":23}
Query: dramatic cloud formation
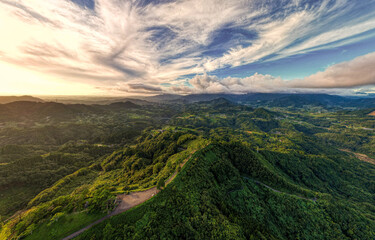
{"x":356,"y":73}
{"x":138,"y":45}
{"x":212,"y":84}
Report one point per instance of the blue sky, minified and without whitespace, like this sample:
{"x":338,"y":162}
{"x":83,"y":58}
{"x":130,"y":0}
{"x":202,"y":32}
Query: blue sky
{"x":124,"y":47}
{"x":303,"y":64}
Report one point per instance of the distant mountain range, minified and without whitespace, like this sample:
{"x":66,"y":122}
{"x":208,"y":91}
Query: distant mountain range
{"x":254,"y":99}
{"x":123,"y":105}
{"x":26,"y":110}
{"x":271,"y":99}
{"x":9,"y":99}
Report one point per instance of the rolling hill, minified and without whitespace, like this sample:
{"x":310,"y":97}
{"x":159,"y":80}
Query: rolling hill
{"x":272,"y":99}
{"x":250,"y":173}
{"x":9,"y":99}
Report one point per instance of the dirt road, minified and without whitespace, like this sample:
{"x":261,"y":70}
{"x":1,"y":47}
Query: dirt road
{"x":128,"y":201}
{"x":360,"y":156}
{"x":133,"y":199}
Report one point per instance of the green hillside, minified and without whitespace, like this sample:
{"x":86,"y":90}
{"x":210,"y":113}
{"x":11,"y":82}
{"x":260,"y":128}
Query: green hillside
{"x":218,"y":196}
{"x":249,"y":174}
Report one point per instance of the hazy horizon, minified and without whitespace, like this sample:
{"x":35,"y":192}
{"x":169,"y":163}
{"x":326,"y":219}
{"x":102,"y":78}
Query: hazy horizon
{"x":48,"y":96}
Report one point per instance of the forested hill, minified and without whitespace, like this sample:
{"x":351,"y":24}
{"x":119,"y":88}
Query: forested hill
{"x":41,"y":143}
{"x":251,"y":173}
{"x":220,"y":194}
{"x":297,"y":100}
{"x":9,"y":99}
{"x":27,"y":110}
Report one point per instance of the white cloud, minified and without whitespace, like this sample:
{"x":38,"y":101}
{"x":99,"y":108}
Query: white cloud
{"x":357,"y":72}
{"x":349,"y":76}
{"x":212,"y":84}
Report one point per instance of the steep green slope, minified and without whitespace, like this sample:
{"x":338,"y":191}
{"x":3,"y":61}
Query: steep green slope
{"x":79,"y":198}
{"x":23,"y":178}
{"x":219,"y":195}
{"x":41,"y":143}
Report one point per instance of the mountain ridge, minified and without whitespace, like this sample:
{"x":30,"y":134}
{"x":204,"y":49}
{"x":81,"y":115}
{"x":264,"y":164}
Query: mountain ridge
{"x":9,"y":99}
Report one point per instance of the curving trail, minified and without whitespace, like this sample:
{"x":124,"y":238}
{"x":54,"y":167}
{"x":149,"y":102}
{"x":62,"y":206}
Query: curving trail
{"x":128,"y":201}
{"x":360,"y":156}
{"x":272,"y":189}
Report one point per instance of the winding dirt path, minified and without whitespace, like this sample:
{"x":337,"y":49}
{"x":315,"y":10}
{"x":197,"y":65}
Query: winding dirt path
{"x":360,"y":156}
{"x":272,"y":189}
{"x":128,"y":201}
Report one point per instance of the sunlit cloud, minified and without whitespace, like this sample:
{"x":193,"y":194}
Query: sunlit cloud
{"x":347,"y":76}
{"x":356,"y":73}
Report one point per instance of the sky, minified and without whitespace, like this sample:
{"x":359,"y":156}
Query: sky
{"x":148,"y":47}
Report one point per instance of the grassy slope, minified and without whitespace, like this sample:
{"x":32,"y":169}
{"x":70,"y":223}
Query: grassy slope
{"x":57,"y":228}
{"x":13,"y":199}
{"x":95,"y":186}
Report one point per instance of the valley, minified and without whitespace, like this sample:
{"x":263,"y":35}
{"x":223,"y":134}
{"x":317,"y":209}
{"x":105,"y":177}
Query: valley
{"x":199,"y":167}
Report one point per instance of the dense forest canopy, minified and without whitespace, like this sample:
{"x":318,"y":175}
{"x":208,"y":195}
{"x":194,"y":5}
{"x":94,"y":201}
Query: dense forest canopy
{"x":264,"y":169}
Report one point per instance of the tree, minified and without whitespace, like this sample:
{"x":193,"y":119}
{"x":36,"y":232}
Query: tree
{"x":108,"y":232}
{"x":161,"y":184}
{"x":157,"y":167}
